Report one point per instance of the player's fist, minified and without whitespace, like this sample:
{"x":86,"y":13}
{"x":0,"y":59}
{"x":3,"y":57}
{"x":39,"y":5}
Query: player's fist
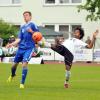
{"x":95,"y":33}
{"x":9,"y":45}
{"x":30,"y":30}
{"x":34,"y":54}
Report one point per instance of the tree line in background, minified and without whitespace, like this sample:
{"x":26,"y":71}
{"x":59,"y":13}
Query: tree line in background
{"x":6,"y":30}
{"x":93,"y":9}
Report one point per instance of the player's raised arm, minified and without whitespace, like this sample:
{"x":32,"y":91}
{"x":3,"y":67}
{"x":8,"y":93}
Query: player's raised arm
{"x":93,"y":39}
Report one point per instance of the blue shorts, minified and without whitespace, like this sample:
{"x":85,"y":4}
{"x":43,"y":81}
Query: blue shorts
{"x":23,"y":55}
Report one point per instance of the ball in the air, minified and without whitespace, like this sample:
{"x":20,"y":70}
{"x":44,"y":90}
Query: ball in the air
{"x":37,"y":36}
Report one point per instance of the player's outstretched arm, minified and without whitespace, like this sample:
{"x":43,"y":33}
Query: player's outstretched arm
{"x":93,"y":39}
{"x":13,"y":43}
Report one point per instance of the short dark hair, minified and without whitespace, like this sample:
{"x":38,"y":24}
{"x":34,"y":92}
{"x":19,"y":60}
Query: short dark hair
{"x":27,"y":12}
{"x":81,"y":32}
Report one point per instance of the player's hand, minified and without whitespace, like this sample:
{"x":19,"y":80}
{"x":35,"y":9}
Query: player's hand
{"x":30,"y":30}
{"x":95,"y":33}
{"x":34,"y":54}
{"x":9,"y":45}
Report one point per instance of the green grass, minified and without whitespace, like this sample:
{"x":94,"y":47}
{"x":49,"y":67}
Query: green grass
{"x":45,"y":82}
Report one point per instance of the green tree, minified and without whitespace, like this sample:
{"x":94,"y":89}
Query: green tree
{"x":6,"y":30}
{"x":93,"y":8}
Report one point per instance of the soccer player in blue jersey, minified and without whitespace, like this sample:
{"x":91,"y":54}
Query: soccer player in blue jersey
{"x":26,"y":46}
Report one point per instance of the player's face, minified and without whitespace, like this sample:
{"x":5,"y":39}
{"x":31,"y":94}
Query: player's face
{"x":27,"y":17}
{"x":77,"y":34}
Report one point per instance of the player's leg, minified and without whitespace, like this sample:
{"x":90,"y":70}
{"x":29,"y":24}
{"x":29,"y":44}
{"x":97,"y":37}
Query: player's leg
{"x":13,"y":71}
{"x":68,"y":63}
{"x":68,"y":60}
{"x":26,"y":57}
{"x":67,"y":75}
{"x":24,"y":74}
{"x":44,"y":43}
{"x":17,"y":59}
{"x":67,"y":55}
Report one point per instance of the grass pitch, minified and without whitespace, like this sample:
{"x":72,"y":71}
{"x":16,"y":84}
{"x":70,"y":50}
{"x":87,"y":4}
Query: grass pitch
{"x":45,"y":82}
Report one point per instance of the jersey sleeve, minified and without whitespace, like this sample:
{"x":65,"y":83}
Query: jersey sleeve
{"x":34,"y":27}
{"x":82,"y":44}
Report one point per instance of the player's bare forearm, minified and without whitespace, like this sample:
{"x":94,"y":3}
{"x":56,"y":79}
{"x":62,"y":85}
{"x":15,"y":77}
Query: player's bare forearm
{"x":92,"y":43}
{"x":13,"y":43}
{"x":16,"y":42}
{"x":93,"y":39}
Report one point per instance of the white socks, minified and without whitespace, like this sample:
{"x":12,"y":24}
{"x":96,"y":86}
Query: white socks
{"x":67,"y":75}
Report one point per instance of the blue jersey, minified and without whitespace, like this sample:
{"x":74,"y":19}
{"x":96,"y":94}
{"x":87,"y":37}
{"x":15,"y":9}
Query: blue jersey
{"x":26,"y":37}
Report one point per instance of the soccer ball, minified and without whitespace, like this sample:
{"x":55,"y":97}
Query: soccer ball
{"x":37,"y":36}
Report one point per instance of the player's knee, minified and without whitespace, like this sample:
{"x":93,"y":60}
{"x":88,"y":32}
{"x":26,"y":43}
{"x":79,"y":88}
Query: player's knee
{"x":15,"y":64}
{"x":68,"y":67}
{"x":24,"y":64}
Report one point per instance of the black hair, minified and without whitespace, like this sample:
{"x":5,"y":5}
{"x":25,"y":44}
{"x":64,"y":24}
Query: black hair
{"x":81,"y":32}
{"x":27,"y":12}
